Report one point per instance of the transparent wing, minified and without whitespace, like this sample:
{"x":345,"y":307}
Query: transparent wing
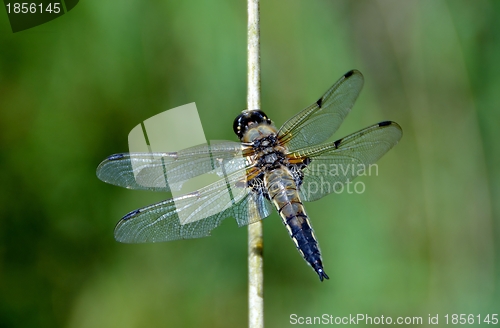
{"x":194,"y":215}
{"x":318,"y":122}
{"x":336,"y":163}
{"x":150,"y":171}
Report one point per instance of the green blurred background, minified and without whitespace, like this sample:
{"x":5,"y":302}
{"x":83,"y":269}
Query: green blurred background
{"x":423,"y":239}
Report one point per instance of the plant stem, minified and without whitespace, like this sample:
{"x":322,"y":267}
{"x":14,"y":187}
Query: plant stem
{"x":255,"y":242}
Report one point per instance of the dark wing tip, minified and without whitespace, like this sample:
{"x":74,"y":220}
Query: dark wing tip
{"x":119,"y":235}
{"x":352,"y":72}
{"x":391,"y":123}
{"x":348,"y":74}
{"x":128,"y":216}
{"x":114,"y":157}
{"x":110,"y":158}
{"x":385,"y":123}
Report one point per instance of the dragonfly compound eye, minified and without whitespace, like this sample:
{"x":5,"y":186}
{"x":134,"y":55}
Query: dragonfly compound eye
{"x":248,"y":118}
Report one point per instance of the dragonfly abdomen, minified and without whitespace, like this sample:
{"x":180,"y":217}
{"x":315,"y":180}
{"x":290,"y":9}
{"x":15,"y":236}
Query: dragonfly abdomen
{"x":283,"y":193}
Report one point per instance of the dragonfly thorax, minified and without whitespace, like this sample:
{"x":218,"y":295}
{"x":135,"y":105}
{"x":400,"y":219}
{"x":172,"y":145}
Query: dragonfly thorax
{"x":269,"y":154}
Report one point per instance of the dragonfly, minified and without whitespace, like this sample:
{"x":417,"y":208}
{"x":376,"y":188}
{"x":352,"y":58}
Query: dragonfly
{"x":269,"y":168}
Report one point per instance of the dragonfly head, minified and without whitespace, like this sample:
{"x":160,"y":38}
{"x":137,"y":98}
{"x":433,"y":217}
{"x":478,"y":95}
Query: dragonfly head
{"x":249,"y":119}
